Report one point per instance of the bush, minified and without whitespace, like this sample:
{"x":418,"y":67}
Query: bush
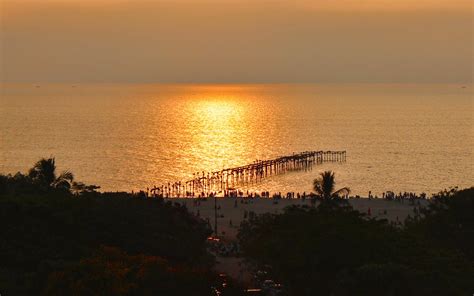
{"x":42,"y":234}
{"x":111,"y":271}
{"x":334,"y":250}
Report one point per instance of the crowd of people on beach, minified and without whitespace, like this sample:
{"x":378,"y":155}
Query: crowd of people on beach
{"x":234,"y":193}
{"x":390,"y":195}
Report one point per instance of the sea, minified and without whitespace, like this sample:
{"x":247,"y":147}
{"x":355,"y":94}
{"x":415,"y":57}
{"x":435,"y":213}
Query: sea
{"x":124,"y":137}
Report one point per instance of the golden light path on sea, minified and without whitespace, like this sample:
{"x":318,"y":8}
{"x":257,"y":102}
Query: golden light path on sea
{"x":219,"y":121}
{"x":129,"y":137}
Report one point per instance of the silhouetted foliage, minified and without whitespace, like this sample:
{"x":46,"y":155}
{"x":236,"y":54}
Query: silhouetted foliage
{"x":448,"y":221}
{"x":333,"y":250}
{"x":43,"y":173}
{"x":46,"y":229}
{"x":78,"y":188}
{"x":41,"y":179}
{"x":324,"y":186}
{"x":111,"y":271}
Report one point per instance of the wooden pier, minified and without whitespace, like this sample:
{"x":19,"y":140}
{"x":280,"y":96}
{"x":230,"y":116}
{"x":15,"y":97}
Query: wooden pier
{"x":204,"y":184}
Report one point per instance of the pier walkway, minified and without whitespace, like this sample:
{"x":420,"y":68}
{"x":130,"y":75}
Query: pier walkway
{"x":204,"y":184}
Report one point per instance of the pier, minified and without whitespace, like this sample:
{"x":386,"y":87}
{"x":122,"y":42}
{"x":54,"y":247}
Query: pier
{"x":204,"y":184}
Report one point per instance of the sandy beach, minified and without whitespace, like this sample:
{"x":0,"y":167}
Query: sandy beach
{"x":231,"y":211}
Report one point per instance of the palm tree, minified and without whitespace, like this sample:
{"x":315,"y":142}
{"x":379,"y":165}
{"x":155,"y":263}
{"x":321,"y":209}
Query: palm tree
{"x":44,"y":174}
{"x":324,"y":186}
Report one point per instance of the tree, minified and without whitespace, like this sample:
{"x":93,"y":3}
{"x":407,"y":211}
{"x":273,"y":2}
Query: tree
{"x":43,"y":173}
{"x":325,"y":184}
{"x":111,"y":271}
{"x":79,"y":188}
{"x":448,"y":221}
{"x":47,"y":233}
{"x":338,"y":251}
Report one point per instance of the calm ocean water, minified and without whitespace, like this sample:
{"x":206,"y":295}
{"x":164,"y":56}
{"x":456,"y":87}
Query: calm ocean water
{"x":128,"y":137}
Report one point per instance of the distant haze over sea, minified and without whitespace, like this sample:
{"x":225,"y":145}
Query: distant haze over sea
{"x":132,"y":136}
{"x":236,"y":41}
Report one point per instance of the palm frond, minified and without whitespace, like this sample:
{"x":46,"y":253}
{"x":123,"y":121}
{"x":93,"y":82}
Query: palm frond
{"x":317,"y":186}
{"x":325,"y":184}
{"x":62,"y":184}
{"x":44,"y":171}
{"x":66,"y":175}
{"x":343,"y":191}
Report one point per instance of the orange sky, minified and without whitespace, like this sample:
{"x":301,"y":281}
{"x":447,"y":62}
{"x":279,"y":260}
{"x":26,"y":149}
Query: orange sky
{"x":236,"y":41}
{"x":334,"y":4}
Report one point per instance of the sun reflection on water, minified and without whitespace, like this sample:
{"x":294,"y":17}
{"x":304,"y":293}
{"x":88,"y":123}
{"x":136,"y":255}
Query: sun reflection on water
{"x":216,"y":110}
{"x":219,"y":130}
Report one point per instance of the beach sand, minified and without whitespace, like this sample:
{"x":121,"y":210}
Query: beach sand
{"x":231,"y":212}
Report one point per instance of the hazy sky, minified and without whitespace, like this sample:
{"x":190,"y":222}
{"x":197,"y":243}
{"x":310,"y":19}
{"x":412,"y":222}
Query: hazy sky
{"x":236,"y":41}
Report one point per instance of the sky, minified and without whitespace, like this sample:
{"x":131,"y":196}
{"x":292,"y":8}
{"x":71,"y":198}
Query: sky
{"x":236,"y":41}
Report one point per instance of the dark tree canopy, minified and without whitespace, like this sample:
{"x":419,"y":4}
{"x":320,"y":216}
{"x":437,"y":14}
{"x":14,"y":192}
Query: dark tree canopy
{"x":338,"y":251}
{"x":48,"y":231}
